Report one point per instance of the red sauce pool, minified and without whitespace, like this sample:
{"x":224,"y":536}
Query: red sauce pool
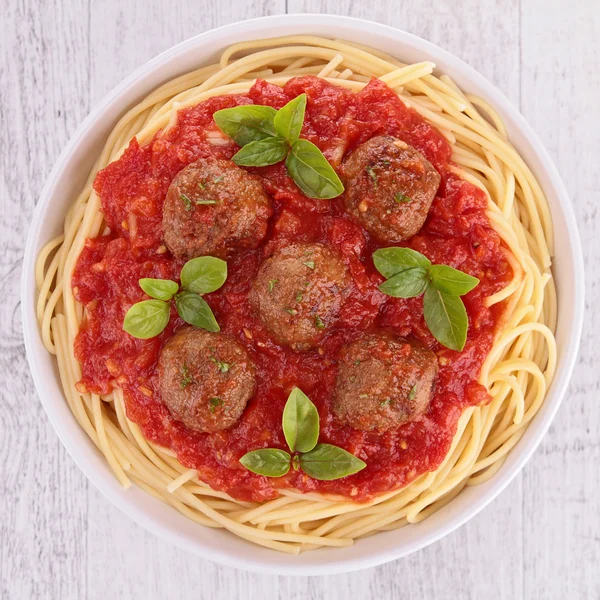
{"x":457,"y":233}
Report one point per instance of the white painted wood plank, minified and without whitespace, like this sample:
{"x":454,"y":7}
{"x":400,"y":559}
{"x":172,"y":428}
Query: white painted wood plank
{"x":43,"y":504}
{"x":560,"y":90}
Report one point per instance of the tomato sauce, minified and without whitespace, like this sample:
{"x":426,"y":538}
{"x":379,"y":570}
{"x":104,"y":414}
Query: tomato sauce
{"x":457,"y":233}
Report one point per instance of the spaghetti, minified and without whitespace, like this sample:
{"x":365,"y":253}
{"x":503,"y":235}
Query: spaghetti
{"x":516,"y":371}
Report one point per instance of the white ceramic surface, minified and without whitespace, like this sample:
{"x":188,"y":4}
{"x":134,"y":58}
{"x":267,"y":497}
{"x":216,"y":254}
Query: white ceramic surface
{"x":67,"y":178}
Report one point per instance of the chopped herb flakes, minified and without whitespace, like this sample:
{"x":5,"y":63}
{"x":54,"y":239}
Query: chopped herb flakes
{"x":186,"y":376}
{"x":298,"y":296}
{"x":218,"y":179}
{"x":371,"y":173}
{"x":272,"y":283}
{"x":310,"y":264}
{"x":413,"y":392}
{"x":214,"y":403}
{"x":222,"y":366}
{"x":385,"y":402}
{"x":356,"y":362}
{"x":187,"y":203}
{"x":319,"y":322}
{"x":363,"y":396}
{"x":292,"y":311}
{"x":402,"y":198}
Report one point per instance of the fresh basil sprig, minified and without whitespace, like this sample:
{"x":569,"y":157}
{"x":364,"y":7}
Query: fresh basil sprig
{"x":146,"y":319}
{"x":202,"y":275}
{"x":325,"y":461}
{"x":288,"y":120}
{"x":161,"y":289}
{"x":300,"y":424}
{"x":409,"y":274}
{"x":268,"y":136}
{"x":245,"y":124}
{"x":262,"y":153}
{"x":193,"y":309}
{"x":270,"y":462}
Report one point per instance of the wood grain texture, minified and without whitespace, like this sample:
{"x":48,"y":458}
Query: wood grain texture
{"x":60,"y":539}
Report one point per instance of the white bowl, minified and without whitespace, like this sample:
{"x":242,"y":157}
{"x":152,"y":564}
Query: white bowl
{"x":68,"y":177}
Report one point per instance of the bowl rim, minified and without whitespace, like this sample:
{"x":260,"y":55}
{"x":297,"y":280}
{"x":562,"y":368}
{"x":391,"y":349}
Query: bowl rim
{"x":526,"y":446}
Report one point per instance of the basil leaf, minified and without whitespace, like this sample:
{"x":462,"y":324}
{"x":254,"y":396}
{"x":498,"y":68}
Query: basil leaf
{"x":300,"y":422}
{"x":391,"y":261}
{"x":446,"y":318}
{"x":161,"y":289}
{"x":312,"y":173}
{"x":452,"y":281}
{"x":204,"y":274}
{"x":406,"y":284}
{"x":270,"y":462}
{"x":262,"y":153}
{"x":327,"y":462}
{"x":146,"y":319}
{"x":194,"y":310}
{"x":245,"y":124}
{"x":288,"y":120}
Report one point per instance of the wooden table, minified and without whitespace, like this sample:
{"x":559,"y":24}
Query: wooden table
{"x":59,"y":538}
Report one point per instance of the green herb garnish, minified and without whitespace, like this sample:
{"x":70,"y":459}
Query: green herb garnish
{"x":204,"y":274}
{"x":272,"y":283}
{"x":215,"y":403}
{"x":371,"y":173}
{"x":409,"y":274}
{"x":203,"y":201}
{"x":310,"y":264}
{"x":291,"y":311}
{"x":268,"y":136}
{"x":187,"y":203}
{"x":200,"y":275}
{"x":270,"y":462}
{"x":300,"y":423}
{"x":222,"y":366}
{"x":299,"y":296}
{"x":161,"y":289}
{"x":402,"y":198}
{"x":413,"y":392}
{"x":186,"y":376}
{"x":146,"y":319}
{"x":319,"y":322}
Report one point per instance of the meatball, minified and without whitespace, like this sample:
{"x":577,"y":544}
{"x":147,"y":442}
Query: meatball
{"x":298,"y":293}
{"x":389,"y":188}
{"x":383,"y":381}
{"x":205,"y":379}
{"x":213,"y":207}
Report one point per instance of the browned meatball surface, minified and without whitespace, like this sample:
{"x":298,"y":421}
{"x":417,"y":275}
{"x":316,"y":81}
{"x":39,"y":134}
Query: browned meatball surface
{"x":206,"y":379}
{"x":298,"y":293}
{"x":383,"y":381}
{"x":389,"y":188}
{"x":213,"y":207}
